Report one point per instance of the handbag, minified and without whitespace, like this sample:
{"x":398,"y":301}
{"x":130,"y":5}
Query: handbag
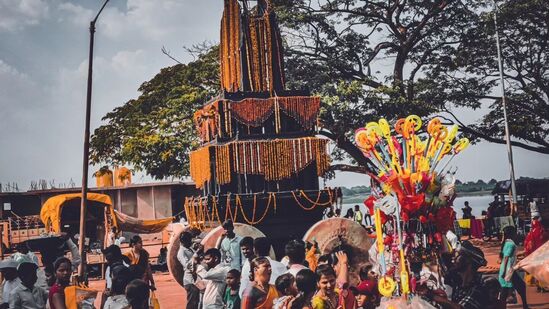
{"x":153,"y":301}
{"x":79,"y":297}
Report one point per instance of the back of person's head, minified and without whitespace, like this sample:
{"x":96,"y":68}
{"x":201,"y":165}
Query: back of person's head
{"x":22,"y":248}
{"x":284,"y":282}
{"x":295,"y":250}
{"x":262,"y":246}
{"x":228,"y":224}
{"x":121,"y":277}
{"x":492,"y":288}
{"x":186,"y":239}
{"x":509,"y":232}
{"x":135,"y":239}
{"x":364,"y":271}
{"x":247,"y":241}
{"x":305,"y":281}
{"x":112,"y":253}
{"x":137,"y":294}
{"x":27,"y":273}
{"x":474,"y":255}
{"x":325,"y":259}
{"x":357,"y":207}
{"x":214,"y":253}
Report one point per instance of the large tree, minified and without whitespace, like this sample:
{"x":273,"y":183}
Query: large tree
{"x":155,"y":132}
{"x":389,"y":59}
{"x":367,"y":59}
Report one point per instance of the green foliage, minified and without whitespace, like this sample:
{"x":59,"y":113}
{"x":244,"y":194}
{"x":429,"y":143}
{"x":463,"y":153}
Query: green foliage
{"x":524,"y":34}
{"x":154,"y":133}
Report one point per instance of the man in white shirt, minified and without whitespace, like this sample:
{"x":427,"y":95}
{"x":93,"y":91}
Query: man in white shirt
{"x":229,"y":245}
{"x":262,"y":248}
{"x":26,"y":295}
{"x":212,"y":276}
{"x":8,"y":268}
{"x":185,"y":258}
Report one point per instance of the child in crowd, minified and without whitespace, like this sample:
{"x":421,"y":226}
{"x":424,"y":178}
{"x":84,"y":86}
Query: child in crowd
{"x":231,"y":299}
{"x":305,"y":281}
{"x":285,"y":285}
{"x":367,"y":295}
{"x":137,"y":294}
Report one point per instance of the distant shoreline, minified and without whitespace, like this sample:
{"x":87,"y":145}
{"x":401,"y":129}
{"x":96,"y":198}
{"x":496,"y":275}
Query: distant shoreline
{"x":359,"y":198}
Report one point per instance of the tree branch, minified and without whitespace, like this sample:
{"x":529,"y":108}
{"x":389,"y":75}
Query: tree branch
{"x":349,"y":168}
{"x":167,"y":53}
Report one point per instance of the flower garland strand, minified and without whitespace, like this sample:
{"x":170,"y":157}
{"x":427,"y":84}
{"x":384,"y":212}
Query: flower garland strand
{"x":222,"y":165}
{"x":252,"y":221}
{"x":200,"y":166}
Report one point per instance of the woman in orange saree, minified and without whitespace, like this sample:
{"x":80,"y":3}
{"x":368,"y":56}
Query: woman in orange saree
{"x":139,"y":261}
{"x":261,"y":294}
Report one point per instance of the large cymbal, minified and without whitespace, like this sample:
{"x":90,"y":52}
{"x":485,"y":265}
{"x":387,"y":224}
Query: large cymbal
{"x":209,"y":241}
{"x":175,"y":268}
{"x":336,"y":232}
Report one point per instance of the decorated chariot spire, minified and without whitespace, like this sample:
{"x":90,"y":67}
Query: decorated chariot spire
{"x":251,"y":53}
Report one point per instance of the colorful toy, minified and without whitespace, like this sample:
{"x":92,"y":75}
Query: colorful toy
{"x":410,"y":193}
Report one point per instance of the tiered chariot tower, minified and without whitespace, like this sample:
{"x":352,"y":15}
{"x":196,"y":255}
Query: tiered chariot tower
{"x":259,"y":161}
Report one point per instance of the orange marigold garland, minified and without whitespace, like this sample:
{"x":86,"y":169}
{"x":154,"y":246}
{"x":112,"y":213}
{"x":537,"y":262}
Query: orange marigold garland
{"x":200,"y":166}
{"x":303,"y":109}
{"x":280,"y":159}
{"x":230,"y":47}
{"x":222,"y":165}
{"x":254,"y":112}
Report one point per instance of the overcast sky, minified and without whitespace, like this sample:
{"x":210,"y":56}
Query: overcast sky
{"x":43,"y":69}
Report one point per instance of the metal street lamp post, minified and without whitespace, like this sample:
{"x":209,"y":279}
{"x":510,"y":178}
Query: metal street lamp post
{"x":504,"y":105}
{"x":85,"y":161}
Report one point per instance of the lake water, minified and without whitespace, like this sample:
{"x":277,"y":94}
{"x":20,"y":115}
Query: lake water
{"x":477,"y":202}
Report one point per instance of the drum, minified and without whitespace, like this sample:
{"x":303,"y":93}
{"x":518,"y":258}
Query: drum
{"x":335,"y":234}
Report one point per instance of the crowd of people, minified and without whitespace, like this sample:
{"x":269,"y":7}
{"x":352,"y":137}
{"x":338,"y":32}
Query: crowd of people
{"x":239,"y":272}
{"x":355,"y":214}
{"x":302,"y":280}
{"x":129,"y":280}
